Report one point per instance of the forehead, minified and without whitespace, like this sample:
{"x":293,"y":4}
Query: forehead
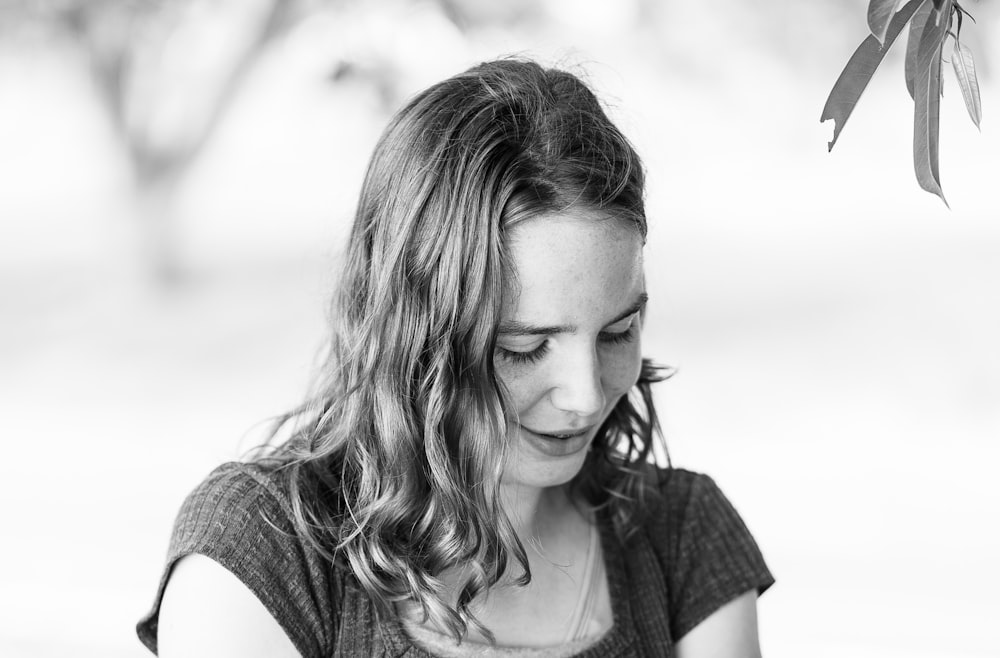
{"x":569,"y":264}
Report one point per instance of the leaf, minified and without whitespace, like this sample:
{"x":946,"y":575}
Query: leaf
{"x":927,"y":104}
{"x":965,"y":71}
{"x":933,"y":35}
{"x":879,"y":14}
{"x":940,"y":71}
{"x":926,"y":130}
{"x":913,"y":42}
{"x":854,"y":78}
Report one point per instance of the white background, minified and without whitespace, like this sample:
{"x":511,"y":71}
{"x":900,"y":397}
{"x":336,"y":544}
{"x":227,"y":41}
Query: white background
{"x":835,"y":328}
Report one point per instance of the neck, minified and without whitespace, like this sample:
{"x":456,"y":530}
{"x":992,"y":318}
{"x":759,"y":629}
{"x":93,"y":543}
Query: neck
{"x":550,"y":526}
{"x":535,"y":511}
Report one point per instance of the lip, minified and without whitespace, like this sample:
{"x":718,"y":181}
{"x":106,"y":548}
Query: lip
{"x":559,"y":443}
{"x":560,"y":434}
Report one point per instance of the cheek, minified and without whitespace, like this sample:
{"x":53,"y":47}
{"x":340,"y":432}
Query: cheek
{"x":522,"y":385}
{"x":621,"y":371}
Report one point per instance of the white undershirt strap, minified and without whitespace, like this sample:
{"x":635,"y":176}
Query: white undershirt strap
{"x":579,"y":625}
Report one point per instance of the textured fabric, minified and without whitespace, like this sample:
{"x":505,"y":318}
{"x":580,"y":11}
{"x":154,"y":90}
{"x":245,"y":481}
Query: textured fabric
{"x":229,"y":517}
{"x":710,"y":557}
{"x":692,"y":555}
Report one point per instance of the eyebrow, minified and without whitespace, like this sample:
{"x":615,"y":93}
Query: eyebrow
{"x":514,"y":327}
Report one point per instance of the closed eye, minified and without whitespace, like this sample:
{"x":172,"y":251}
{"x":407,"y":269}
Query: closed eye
{"x":617,"y":338}
{"x":529,"y":356}
{"x":537,"y":354}
{"x":621,"y":334}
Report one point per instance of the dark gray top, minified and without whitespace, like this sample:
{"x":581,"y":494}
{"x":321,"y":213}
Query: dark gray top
{"x":692,"y":555}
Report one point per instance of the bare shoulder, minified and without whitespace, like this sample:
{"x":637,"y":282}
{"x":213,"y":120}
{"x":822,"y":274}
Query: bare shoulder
{"x":729,"y":632}
{"x":207,"y":611}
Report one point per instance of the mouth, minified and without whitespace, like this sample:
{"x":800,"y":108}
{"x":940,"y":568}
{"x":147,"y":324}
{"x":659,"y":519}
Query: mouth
{"x":558,"y":443}
{"x":560,"y":435}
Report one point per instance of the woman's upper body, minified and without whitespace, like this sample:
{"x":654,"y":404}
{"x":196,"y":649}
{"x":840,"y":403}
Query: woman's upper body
{"x":241,"y":582}
{"x":484,"y":413}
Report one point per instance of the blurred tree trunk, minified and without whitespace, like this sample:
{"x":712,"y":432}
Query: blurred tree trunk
{"x":166,"y":73}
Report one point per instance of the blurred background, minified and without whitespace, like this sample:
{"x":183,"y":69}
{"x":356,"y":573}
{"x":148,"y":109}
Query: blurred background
{"x":176,"y":183}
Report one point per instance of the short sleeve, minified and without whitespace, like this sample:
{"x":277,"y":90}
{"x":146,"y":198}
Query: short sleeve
{"x":713,"y":558}
{"x":240,"y":518}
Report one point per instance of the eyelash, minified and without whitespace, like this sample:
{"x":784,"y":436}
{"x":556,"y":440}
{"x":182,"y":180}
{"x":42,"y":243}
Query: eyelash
{"x":535,"y":355}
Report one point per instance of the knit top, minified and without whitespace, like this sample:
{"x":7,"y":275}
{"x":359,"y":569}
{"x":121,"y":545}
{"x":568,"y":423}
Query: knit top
{"x":692,"y":555}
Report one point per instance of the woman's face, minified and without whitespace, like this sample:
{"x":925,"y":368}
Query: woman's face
{"x":568,"y":345}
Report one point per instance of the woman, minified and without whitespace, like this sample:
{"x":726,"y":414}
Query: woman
{"x":471,"y":476}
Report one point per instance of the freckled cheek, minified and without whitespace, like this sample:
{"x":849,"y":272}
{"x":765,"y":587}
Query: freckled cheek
{"x":524,"y":391}
{"x":621,"y":372}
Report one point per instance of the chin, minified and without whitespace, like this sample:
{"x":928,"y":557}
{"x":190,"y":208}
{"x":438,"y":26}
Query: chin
{"x":543,"y":471}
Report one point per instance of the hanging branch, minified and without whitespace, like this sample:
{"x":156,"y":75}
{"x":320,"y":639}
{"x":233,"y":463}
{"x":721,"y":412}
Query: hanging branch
{"x":930,"y":23}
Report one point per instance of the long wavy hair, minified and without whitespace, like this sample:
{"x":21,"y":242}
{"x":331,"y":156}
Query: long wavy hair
{"x":394,"y":464}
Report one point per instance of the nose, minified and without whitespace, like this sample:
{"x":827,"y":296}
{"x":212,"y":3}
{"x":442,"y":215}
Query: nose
{"x":577,"y":388}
